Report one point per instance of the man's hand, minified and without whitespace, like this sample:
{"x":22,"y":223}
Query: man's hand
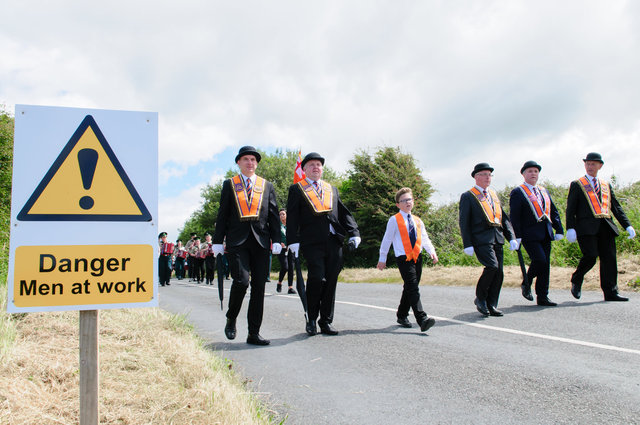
{"x":434,"y":257}
{"x":294,"y":247}
{"x":559,"y":236}
{"x":381,"y":265}
{"x":571,"y":235}
{"x":217,"y":249}
{"x":276,"y":249}
{"x":632,"y":232}
{"x":356,"y":241}
{"x":513,"y":244}
{"x":469,"y":251}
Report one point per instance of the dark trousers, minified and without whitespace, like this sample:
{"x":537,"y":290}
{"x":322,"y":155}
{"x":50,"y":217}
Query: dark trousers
{"x":287,"y":260}
{"x":539,"y":253}
{"x":191,"y":264}
{"x":324,"y":262}
{"x":490,"y":282}
{"x":249,"y":265}
{"x":603,"y":245}
{"x":209,"y":267}
{"x":198,"y":268}
{"x":164,"y":269}
{"x":411,"y":273}
{"x":179,"y":267}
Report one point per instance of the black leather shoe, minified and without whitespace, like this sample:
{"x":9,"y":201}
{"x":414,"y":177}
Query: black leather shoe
{"x":427,"y":323}
{"x":404,"y":322}
{"x":327,"y":329}
{"x":168,"y":284}
{"x":230,"y":329}
{"x":546,"y":302}
{"x":576,"y":290}
{"x":256,"y":339}
{"x":481,"y":306}
{"x":615,"y":297}
{"x":526,"y":291}
{"x":311,"y":328}
{"x":279,"y":287}
{"x":495,"y":312}
{"x":291,"y":291}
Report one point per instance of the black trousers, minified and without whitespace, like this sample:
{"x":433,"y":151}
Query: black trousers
{"x":603,"y":245}
{"x":324,"y":263}
{"x":164,"y":269}
{"x":198,"y":269}
{"x":411,"y":273}
{"x":539,"y":253}
{"x":287,"y":264}
{"x":490,"y":282}
{"x":179,"y":267}
{"x":191,"y":263}
{"x":209,"y":267}
{"x":249,"y":265}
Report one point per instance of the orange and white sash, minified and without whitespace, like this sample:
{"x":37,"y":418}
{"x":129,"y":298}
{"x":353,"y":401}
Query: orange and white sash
{"x":536,"y":208}
{"x":318,"y":204}
{"x":412,"y":253}
{"x":598,"y":208}
{"x":248,"y":207}
{"x":493,"y":217}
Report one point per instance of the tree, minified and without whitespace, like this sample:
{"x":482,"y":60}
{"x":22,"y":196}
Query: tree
{"x":369,"y":193}
{"x":6,"y":170}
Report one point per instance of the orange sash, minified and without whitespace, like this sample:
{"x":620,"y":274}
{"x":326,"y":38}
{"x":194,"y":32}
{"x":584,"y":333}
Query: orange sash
{"x":599,"y":209}
{"x":248,"y":209}
{"x":494,"y":218}
{"x":318,"y":205}
{"x":412,"y":253}
{"x":538,"y":213}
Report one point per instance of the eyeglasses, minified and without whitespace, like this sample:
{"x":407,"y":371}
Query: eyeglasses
{"x":405,"y":200}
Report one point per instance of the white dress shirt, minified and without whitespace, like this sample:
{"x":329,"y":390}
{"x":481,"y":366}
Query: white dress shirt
{"x":392,"y":236}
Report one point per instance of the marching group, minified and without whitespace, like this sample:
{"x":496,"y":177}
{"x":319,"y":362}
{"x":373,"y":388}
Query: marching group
{"x":250,"y":227}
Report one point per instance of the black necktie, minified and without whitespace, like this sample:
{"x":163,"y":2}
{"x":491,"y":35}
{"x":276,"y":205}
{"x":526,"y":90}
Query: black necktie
{"x":318,"y":189}
{"x":249,"y":188}
{"x":412,"y":231}
{"x":596,"y":187}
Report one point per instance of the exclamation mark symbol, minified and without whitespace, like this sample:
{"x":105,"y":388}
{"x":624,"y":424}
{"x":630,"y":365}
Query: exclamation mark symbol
{"x":87,"y":159}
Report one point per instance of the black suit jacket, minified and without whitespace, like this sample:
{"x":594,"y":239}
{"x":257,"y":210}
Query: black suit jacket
{"x":525,"y":224}
{"x":580,"y":217}
{"x":475,"y":228}
{"x":306,"y":227}
{"x":265,"y":229}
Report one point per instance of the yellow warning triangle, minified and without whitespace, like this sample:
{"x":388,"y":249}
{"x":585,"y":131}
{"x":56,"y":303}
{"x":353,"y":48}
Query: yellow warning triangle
{"x":85,"y":183}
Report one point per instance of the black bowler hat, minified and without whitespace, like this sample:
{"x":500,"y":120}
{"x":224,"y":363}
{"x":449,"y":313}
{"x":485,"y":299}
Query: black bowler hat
{"x":594,"y":156}
{"x":248,"y":150}
{"x":312,"y":155}
{"x":530,"y":164}
{"x":480,"y":167}
{"x":162,"y":235}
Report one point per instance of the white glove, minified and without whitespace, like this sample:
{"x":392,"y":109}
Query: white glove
{"x":559,"y":236}
{"x":356,"y":240}
{"x":276,"y":248}
{"x":217,"y":248}
{"x":519,"y":241}
{"x":571,"y":235}
{"x":513,"y":245}
{"x":632,"y":233}
{"x":294,"y":247}
{"x":469,"y":251}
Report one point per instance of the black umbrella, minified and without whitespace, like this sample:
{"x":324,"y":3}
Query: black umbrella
{"x":302,"y":292}
{"x":220,"y":269}
{"x":525,"y":286}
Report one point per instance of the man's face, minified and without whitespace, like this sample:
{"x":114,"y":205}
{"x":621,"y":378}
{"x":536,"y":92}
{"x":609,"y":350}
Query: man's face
{"x":483,"y":178}
{"x":313,"y":169}
{"x":405,"y":203}
{"x":208,"y":238}
{"x":531,"y":175}
{"x":592,"y":167}
{"x":248,"y":165}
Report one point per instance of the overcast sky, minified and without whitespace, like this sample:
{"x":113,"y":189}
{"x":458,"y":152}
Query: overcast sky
{"x":451,"y":82}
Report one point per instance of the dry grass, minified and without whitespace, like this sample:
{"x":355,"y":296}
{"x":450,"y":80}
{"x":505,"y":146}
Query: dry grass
{"x":153,"y":370}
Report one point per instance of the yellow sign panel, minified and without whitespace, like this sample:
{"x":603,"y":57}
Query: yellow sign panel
{"x":82,"y":275}
{"x":85,"y":183}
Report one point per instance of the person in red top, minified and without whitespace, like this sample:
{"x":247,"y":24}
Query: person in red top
{"x":409,"y":237}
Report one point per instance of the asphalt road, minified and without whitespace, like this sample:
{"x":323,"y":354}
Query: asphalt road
{"x":578,"y":363}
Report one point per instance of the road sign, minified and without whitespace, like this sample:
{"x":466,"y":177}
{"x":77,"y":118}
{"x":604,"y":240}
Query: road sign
{"x":84,"y":210}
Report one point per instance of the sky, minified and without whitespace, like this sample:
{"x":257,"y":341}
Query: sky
{"x":453,"y":83}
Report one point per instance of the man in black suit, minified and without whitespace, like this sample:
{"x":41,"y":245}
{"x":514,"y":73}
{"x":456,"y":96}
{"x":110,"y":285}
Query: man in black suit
{"x":590,"y":204}
{"x":248,"y":217}
{"x":317,"y":223}
{"x":534,"y":216}
{"x":483,"y":226}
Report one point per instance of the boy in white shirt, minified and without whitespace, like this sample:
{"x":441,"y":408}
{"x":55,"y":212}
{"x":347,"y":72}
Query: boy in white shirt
{"x":409,"y":237}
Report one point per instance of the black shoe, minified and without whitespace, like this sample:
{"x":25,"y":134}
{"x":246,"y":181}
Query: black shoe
{"x":404,"y":322}
{"x":495,"y":312}
{"x":615,"y":297}
{"x":311,"y":328}
{"x":256,"y":339}
{"x":576,"y":290}
{"x":327,"y":329}
{"x":230,"y":329}
{"x":168,"y":284}
{"x":427,"y":323}
{"x":545,"y":301}
{"x":162,"y":284}
{"x":291,"y":291}
{"x":526,"y":291}
{"x":279,"y":287}
{"x":481,"y":306}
